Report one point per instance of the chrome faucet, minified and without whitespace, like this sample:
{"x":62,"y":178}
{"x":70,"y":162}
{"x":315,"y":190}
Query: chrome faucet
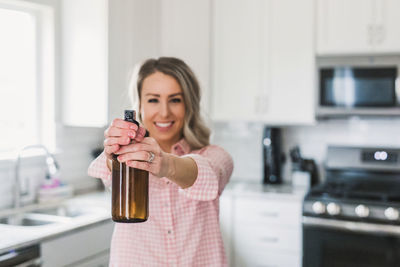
{"x":52,"y":168}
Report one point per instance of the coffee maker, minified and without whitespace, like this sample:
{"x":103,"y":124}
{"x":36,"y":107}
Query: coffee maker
{"x":273,"y":158}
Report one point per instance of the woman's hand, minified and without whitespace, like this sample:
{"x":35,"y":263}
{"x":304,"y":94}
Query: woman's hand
{"x":120,"y":133}
{"x":147,"y":155}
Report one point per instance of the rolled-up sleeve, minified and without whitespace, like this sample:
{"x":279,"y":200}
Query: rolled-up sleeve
{"x":98,"y":169}
{"x":214,"y":167}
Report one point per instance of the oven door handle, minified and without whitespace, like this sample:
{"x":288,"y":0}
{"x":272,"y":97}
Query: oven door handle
{"x":360,"y":227}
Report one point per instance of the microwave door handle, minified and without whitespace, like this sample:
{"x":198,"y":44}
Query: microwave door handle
{"x":359,"y":227}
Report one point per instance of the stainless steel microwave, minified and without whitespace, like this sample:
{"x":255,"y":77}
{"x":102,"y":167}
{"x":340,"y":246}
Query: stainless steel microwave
{"x":358,"y":86}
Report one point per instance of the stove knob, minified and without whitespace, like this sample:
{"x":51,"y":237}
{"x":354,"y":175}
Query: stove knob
{"x":318,"y":207}
{"x":362,"y":211}
{"x":333,"y":209}
{"x":392,"y":214}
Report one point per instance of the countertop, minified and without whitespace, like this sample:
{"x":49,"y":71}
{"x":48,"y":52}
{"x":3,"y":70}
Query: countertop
{"x":96,"y":204}
{"x":281,"y":191}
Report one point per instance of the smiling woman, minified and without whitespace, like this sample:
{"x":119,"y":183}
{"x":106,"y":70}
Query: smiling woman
{"x":187,"y":174}
{"x":26,"y":75}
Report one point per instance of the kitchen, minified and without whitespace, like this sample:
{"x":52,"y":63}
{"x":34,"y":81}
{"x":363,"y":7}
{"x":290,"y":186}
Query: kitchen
{"x":259,"y":65}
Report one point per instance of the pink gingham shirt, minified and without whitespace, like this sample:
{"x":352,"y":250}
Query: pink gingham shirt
{"x":183,"y":224}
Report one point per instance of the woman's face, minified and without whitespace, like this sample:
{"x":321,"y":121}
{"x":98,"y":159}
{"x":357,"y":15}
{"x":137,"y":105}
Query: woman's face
{"x":162,"y":108}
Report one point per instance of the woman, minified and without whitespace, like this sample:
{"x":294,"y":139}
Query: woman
{"x":187,"y":174}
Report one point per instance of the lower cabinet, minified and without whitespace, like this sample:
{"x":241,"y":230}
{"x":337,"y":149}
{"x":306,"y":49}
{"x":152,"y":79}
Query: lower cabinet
{"x":265,"y":230}
{"x":87,"y":247}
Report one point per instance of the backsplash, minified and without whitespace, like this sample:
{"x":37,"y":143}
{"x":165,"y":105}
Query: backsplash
{"x":243,"y":141}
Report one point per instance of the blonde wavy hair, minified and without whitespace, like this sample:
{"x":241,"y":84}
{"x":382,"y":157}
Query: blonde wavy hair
{"x":195,"y":131}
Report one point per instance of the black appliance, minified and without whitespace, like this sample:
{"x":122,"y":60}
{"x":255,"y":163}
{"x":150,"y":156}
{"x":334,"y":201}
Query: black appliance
{"x":21,"y":257}
{"x":353,"y":218}
{"x":273,"y":158}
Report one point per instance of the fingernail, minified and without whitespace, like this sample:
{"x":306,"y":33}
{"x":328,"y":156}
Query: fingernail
{"x":131,"y":134}
{"x":133,"y":127}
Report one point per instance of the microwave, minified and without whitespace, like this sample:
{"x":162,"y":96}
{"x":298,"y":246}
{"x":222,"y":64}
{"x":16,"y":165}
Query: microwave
{"x":358,"y":86}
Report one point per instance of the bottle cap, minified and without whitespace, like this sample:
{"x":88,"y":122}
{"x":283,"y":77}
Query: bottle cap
{"x":130,"y":115}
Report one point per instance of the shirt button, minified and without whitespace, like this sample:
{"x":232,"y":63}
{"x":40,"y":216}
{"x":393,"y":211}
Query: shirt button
{"x":169,"y":231}
{"x":167,"y":182}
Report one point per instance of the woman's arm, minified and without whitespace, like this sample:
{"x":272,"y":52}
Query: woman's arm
{"x":181,"y":170}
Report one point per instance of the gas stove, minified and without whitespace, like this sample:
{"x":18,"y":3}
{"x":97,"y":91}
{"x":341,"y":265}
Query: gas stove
{"x":362,"y":185}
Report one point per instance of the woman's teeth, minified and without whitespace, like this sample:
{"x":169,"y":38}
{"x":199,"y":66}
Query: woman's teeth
{"x":163,"y":124}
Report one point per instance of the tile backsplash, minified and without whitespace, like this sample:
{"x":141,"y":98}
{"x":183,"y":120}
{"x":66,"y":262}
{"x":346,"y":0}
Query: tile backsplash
{"x":243,"y":141}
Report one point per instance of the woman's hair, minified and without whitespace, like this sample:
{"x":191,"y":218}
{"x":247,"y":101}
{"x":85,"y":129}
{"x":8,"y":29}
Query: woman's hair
{"x":195,"y":131}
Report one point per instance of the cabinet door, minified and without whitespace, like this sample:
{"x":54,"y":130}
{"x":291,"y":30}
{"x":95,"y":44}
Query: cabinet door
{"x":387,"y":33}
{"x":185,"y":33}
{"x":345,"y":26}
{"x":239,"y":63}
{"x":291,"y":63}
{"x":78,"y":246}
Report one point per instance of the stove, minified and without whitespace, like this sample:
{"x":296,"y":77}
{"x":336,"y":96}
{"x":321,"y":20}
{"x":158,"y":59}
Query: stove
{"x":353,"y":218}
{"x":358,"y":187}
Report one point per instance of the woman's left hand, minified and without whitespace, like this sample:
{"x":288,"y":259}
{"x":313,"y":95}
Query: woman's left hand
{"x":147,"y":155}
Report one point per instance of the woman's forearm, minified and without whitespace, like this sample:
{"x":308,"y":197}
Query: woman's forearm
{"x":182,"y":170}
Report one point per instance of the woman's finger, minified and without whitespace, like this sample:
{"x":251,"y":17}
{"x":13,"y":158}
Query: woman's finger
{"x":117,"y":132}
{"x":120,"y":123}
{"x":117,"y":140}
{"x":136,"y":147}
{"x":134,"y":156}
{"x":142,"y":165}
{"x":111,"y":149}
{"x":140,"y":134}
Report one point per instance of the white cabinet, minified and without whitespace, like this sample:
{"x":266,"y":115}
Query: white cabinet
{"x":84,"y":63}
{"x":267,"y":231}
{"x":358,"y":27}
{"x":263,"y":61}
{"x":185,"y":33}
{"x":85,"y":247}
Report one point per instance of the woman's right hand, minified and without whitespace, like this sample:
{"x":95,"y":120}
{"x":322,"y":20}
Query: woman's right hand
{"x":121,"y":133}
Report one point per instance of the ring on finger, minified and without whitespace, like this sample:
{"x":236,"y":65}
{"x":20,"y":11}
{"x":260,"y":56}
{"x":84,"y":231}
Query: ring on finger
{"x":151,"y":157}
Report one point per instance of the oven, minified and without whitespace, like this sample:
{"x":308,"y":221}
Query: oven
{"x":352,"y":219}
{"x":337,"y":243}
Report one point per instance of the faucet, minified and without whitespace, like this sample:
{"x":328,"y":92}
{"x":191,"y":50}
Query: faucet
{"x":52,"y":168}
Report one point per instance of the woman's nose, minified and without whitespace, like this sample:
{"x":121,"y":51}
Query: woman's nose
{"x":164,"y":112}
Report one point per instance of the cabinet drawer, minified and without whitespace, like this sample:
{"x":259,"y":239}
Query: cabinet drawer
{"x":269,"y":258}
{"x":264,"y":238}
{"x":262,"y":211}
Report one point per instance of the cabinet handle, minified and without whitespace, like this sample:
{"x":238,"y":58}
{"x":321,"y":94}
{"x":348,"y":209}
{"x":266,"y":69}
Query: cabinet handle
{"x":269,"y":239}
{"x":270,"y":214}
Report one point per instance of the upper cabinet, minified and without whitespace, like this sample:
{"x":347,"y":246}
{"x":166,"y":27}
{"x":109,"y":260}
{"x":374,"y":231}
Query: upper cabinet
{"x":84,"y":62}
{"x":185,"y":33}
{"x":263,"y":61}
{"x":358,"y":27}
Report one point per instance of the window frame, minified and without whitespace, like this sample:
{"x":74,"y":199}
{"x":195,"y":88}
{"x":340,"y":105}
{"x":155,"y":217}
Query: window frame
{"x":45,"y":14}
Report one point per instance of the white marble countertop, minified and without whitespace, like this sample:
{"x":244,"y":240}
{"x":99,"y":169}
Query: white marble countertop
{"x":96,"y":206}
{"x":281,"y":191}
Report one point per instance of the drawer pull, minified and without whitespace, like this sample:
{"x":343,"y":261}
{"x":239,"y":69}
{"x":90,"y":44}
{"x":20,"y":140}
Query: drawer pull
{"x":270,"y":239}
{"x":270,"y":214}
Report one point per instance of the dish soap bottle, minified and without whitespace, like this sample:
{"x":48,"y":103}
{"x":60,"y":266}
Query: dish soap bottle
{"x":130,"y":188}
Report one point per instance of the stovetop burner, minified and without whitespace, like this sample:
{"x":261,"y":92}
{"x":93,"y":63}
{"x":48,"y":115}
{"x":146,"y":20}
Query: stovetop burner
{"x":357,"y":187}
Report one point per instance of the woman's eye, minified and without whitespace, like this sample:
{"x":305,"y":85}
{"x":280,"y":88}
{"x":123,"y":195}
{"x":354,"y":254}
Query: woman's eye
{"x":176,"y":100}
{"x":152,"y":100}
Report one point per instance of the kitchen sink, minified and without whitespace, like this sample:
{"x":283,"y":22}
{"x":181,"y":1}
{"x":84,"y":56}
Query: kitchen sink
{"x":63,"y":210}
{"x":25,"y":220}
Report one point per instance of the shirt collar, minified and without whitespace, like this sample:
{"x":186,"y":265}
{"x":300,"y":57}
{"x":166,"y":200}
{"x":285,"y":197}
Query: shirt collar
{"x":181,"y":148}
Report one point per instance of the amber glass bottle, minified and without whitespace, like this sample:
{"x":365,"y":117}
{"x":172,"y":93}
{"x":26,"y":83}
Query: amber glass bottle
{"x":130,"y":189}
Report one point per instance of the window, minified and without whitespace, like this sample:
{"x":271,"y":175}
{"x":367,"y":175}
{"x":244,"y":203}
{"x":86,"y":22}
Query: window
{"x":26,"y":75}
